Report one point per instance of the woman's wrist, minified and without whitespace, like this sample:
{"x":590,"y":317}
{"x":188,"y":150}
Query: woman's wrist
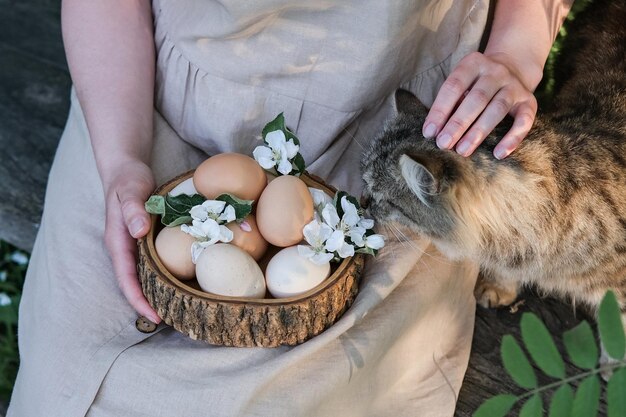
{"x":528,"y":72}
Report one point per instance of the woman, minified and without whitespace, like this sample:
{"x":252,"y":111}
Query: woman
{"x":222,"y":71}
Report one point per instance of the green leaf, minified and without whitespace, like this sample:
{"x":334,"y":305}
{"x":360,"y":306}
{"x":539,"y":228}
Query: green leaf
{"x":610,"y":327}
{"x":497,"y":406}
{"x":516,"y":363}
{"x":367,"y":251}
{"x":562,"y":399}
{"x":541,"y":347}
{"x":242,"y":207}
{"x":277,"y":124}
{"x":581,"y":346}
{"x":155,"y":204}
{"x":616,"y":394}
{"x":183,"y":203}
{"x":587,"y":398}
{"x":174,"y":220}
{"x":533,"y":407}
{"x":298,"y":161}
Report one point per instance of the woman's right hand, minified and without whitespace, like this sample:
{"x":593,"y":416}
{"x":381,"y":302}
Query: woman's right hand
{"x":126,"y":190}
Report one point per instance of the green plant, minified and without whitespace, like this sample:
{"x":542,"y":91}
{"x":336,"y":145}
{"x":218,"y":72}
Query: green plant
{"x":13,"y":265}
{"x":582,"y":349}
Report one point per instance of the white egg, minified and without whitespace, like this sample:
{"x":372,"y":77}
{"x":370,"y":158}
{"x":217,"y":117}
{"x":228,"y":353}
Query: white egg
{"x":289,"y":274}
{"x":185,"y":187}
{"x":225,"y":269}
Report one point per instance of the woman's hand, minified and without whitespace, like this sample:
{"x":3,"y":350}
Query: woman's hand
{"x":476,"y":96}
{"x":127,"y":220}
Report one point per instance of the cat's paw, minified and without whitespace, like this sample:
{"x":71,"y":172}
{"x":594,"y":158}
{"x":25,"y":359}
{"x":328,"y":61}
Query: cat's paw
{"x":491,"y":295}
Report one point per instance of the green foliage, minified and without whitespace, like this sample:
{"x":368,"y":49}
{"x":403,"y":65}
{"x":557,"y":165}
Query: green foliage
{"x":242,"y":207}
{"x":562,"y":400}
{"x":541,"y":346}
{"x":279,"y":124}
{"x":611,"y":327}
{"x":582,"y":349}
{"x":13,"y":265}
{"x":516,"y":363}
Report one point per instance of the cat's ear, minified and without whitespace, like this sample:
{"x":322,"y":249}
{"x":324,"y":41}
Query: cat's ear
{"x":407,"y":103}
{"x":423,"y":180}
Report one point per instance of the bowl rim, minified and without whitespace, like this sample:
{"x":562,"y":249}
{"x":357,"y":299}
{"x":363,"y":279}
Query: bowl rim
{"x":156,"y":264}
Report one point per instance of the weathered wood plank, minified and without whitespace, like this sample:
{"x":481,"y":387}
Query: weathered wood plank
{"x":34,"y":100}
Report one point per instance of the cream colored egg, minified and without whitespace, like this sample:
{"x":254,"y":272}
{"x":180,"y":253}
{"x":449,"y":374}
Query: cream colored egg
{"x":289,"y":274}
{"x":173,"y":246}
{"x":224,"y":269}
{"x":185,"y":187}
{"x":231,"y":173}
{"x":246,"y":236}
{"x":283,"y":210}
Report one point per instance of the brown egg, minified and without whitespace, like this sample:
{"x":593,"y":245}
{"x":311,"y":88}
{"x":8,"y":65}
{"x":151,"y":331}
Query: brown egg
{"x":231,"y":173}
{"x":247,"y":237}
{"x":174,"y":249}
{"x":284,"y":208}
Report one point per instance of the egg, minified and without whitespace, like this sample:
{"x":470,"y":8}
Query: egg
{"x":225,"y":269}
{"x":289,"y":274}
{"x":231,"y":173}
{"x":284,"y":208}
{"x":185,"y":187}
{"x":247,"y":237}
{"x":173,"y":246}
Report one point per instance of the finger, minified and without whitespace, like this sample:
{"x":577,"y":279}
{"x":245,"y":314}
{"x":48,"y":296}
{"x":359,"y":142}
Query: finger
{"x":470,"y":109}
{"x":122,"y":249}
{"x":524,"y":115}
{"x":135,"y":217}
{"x":497,"y":110}
{"x":450,"y":93}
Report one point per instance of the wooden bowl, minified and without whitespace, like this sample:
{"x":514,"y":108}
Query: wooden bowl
{"x":245,"y":322}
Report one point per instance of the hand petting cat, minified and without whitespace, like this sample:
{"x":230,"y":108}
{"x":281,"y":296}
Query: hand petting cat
{"x":485,"y":87}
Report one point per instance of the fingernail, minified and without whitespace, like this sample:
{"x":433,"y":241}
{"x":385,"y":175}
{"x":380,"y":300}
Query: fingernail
{"x":135,"y":227}
{"x":500,"y":153}
{"x":430,"y":131}
{"x":462,"y":148}
{"x":155,"y":319}
{"x":444,"y":141}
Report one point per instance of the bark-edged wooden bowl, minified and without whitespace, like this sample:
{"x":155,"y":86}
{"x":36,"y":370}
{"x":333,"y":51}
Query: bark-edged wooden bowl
{"x":244,"y":322}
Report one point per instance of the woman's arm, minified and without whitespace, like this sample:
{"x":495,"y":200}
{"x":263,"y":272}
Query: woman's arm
{"x":110,"y":52}
{"x":486,"y":87}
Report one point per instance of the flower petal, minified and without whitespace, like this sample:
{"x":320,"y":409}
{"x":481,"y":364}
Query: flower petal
{"x":324,"y":232}
{"x":330,"y":216}
{"x":356,"y":235}
{"x":366,"y":223}
{"x":321,"y":258}
{"x":311,"y":232}
{"x":335,"y":241}
{"x":225,"y":235}
{"x":276,"y":139}
{"x":306,"y":251}
{"x":375,"y":241}
{"x":198,"y":212}
{"x":350,"y":214}
{"x":264,"y":156}
{"x":196,"y":250}
{"x":346,"y":250}
{"x":320,"y":198}
{"x":228,"y":215}
{"x":214,"y":206}
{"x":284,"y":166}
{"x":291,"y":148}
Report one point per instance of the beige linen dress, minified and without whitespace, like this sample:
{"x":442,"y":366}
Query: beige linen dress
{"x":223,"y":70}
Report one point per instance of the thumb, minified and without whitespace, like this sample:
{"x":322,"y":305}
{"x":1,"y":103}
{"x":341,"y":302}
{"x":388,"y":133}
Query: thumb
{"x":135,"y":216}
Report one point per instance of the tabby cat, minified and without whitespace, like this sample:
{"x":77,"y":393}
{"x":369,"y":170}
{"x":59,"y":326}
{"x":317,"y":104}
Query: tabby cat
{"x":553,"y":213}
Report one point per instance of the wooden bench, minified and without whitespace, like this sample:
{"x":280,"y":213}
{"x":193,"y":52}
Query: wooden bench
{"x":34,"y":100}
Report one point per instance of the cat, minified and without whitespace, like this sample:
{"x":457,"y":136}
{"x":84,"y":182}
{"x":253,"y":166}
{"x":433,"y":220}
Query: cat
{"x":553,"y":213}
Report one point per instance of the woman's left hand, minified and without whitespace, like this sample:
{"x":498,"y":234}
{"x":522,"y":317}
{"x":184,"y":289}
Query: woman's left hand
{"x":474,"y":99}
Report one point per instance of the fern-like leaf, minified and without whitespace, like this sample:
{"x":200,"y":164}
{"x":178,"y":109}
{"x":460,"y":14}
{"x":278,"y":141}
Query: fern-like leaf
{"x":541,"y":347}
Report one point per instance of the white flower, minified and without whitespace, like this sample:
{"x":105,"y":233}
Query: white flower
{"x":337,"y":243}
{"x":375,"y":241}
{"x":5,"y":300}
{"x":316,"y":235}
{"x":277,"y":153}
{"x":357,"y":235}
{"x":206,"y":233}
{"x":213,"y":209}
{"x":19,"y":258}
{"x":320,"y":199}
